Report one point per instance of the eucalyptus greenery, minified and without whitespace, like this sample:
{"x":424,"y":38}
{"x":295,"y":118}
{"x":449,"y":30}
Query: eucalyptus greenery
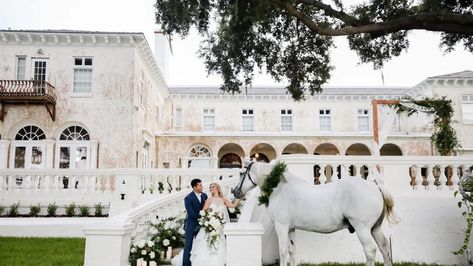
{"x":271,"y":182}
{"x":444,"y":136}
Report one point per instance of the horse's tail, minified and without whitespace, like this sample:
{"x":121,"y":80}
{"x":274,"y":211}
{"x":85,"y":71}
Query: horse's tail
{"x":389,"y":206}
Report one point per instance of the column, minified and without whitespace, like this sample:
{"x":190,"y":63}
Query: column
{"x":4,"y":144}
{"x":244,"y":244}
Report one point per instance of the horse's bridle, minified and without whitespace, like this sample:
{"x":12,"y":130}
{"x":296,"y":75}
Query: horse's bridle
{"x":245,"y":174}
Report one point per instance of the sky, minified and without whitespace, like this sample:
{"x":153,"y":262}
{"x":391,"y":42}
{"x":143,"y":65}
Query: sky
{"x":423,"y":59}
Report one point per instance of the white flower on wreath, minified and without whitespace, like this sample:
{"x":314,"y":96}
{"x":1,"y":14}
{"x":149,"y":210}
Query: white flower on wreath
{"x":143,"y":252}
{"x":181,"y":231}
{"x":231,"y":210}
{"x":166,"y":226}
{"x":202,"y":212}
{"x":166,"y":242}
{"x":152,"y":255}
{"x":206,"y":223}
{"x":133,"y":250}
{"x":150,"y":243}
{"x":141,"y":243}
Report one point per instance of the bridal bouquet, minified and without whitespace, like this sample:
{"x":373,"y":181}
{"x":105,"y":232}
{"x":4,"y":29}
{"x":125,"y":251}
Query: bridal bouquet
{"x":212,"y":222}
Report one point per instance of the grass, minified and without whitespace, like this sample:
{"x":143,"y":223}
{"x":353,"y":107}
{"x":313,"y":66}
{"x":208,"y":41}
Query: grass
{"x":41,"y":251}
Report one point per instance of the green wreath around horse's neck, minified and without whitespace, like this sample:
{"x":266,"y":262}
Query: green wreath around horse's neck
{"x":271,"y":182}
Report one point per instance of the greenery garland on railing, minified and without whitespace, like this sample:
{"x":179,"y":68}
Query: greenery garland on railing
{"x":272,"y":181}
{"x":444,"y":136}
{"x":465,"y":188}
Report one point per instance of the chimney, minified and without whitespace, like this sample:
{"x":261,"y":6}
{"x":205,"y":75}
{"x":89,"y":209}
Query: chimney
{"x":162,"y":52}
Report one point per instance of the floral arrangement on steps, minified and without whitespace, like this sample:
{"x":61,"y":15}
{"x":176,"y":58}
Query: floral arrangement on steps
{"x":161,"y":236}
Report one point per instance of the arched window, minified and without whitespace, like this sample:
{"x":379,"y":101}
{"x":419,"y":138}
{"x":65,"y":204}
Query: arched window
{"x":74,"y":133}
{"x":199,"y":157}
{"x":30,"y":133}
{"x":200,"y":151}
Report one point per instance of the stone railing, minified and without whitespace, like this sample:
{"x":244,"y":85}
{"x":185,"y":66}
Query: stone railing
{"x":92,"y":186}
{"x":399,"y":173}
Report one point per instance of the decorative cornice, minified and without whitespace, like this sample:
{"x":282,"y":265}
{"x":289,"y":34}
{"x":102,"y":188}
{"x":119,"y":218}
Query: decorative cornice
{"x":246,"y":97}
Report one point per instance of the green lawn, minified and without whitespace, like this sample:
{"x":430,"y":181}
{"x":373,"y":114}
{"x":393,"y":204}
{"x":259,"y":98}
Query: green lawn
{"x":41,"y":251}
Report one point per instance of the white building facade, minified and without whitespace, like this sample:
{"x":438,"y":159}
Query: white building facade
{"x":74,"y":99}
{"x":103,"y":93}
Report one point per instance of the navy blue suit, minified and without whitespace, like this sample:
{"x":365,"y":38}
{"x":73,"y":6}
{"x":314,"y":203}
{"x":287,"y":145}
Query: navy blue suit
{"x":193,"y":207}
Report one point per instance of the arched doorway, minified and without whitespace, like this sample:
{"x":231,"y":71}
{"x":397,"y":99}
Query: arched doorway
{"x":295,"y":148}
{"x":199,"y":156}
{"x":230,"y":155}
{"x":390,"y":149}
{"x":263,"y":152}
{"x":230,"y":160}
{"x":326,"y":149}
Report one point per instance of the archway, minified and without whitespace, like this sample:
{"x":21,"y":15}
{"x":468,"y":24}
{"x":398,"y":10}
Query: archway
{"x":230,"y":155}
{"x":358,"y":149}
{"x":295,"y":148}
{"x":390,"y":149}
{"x":326,"y":149}
{"x":263,"y":152}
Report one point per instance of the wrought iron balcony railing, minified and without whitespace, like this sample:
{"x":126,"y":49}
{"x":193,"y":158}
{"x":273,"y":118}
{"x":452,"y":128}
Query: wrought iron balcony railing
{"x":27,"y":91}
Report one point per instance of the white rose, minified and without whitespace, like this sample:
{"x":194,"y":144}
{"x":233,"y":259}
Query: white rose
{"x":133,"y":250}
{"x":152,"y":255}
{"x":141,"y":243}
{"x":206,"y":223}
{"x":143,"y":252}
{"x":165,"y":242}
{"x":201,"y":223}
{"x":231,"y":210}
{"x":181,"y":231}
{"x":166,"y":226}
{"x":150,"y":243}
{"x":173,"y":238}
{"x":202,"y":212}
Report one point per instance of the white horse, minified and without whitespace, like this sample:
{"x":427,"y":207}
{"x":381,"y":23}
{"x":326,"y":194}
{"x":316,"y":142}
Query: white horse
{"x":352,"y":203}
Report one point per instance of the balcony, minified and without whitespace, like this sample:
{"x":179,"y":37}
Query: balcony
{"x":16,"y":92}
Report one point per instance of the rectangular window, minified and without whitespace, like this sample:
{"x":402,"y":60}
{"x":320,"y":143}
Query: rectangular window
{"x":209,"y":119}
{"x":37,"y":156}
{"x":286,"y":120}
{"x":20,"y":154}
{"x":39,"y":69}
{"x":247,"y":120}
{"x":178,"y":117}
{"x":64,"y":157}
{"x":467,"y":109}
{"x":82,"y":75}
{"x":21,"y":68}
{"x":325,"y":120}
{"x":363,"y":120}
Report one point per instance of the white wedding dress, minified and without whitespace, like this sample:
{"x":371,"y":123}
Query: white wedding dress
{"x":201,"y":254}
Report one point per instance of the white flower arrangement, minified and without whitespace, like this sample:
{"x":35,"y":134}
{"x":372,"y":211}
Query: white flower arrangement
{"x":212,"y":221}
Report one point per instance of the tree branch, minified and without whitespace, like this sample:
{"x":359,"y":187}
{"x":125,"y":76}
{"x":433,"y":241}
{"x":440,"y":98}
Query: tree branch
{"x":329,"y":11}
{"x":449,"y":23}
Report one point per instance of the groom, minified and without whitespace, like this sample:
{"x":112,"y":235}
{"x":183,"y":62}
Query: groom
{"x":194,"y":202}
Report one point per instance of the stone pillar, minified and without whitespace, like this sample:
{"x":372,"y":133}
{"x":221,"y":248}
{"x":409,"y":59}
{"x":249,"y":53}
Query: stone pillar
{"x":244,"y":244}
{"x":108,"y":244}
{"x":4,"y":144}
{"x":128,"y":185}
{"x":49,"y":157}
{"x":94,"y":145}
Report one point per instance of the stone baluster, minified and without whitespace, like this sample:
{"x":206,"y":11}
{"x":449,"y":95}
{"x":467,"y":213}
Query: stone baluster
{"x":430,"y":177}
{"x":322,"y":176}
{"x":2,"y":183}
{"x":454,"y":179}
{"x":27,"y":183}
{"x":357,"y":170}
{"x":47,"y":183}
{"x":443,"y":178}
{"x":418,"y":177}
{"x":93,"y":181}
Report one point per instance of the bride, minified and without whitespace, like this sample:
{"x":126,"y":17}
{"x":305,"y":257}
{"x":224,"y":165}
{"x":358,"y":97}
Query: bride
{"x":201,"y":254}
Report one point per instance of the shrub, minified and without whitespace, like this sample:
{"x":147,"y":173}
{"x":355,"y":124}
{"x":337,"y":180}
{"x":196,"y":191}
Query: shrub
{"x":35,"y":210}
{"x":13,"y":212}
{"x":71,"y":209}
{"x":2,"y":209}
{"x":84,"y":210}
{"x":52,"y":208}
{"x":98,"y":209}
